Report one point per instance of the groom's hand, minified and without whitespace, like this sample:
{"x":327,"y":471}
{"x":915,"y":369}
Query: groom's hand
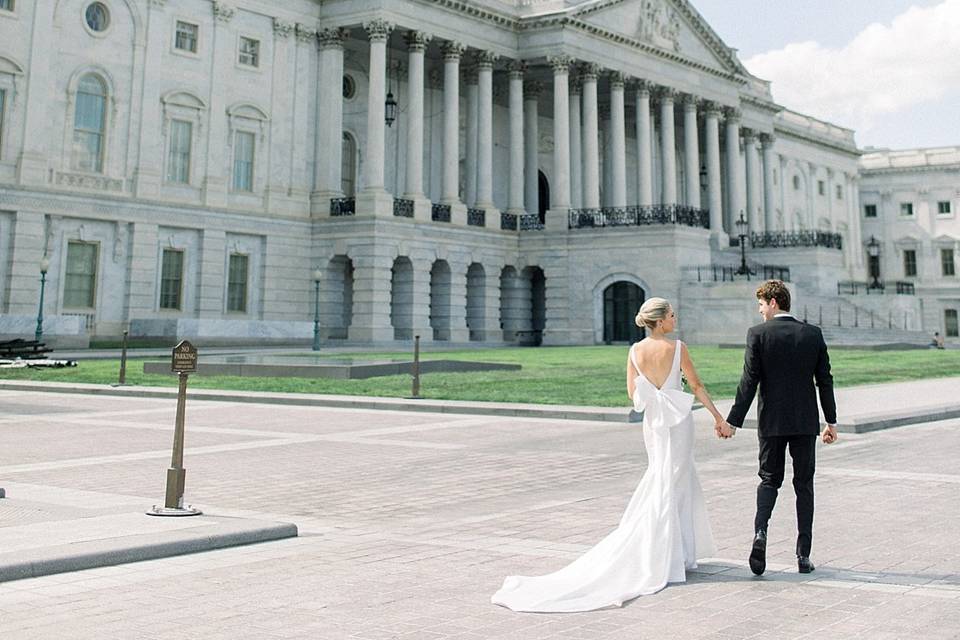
{"x":829,"y":435}
{"x":724,"y":430}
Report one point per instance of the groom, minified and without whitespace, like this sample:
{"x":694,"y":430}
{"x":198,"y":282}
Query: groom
{"x":784,"y":357}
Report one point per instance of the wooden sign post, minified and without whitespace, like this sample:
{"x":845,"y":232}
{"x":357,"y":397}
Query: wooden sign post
{"x":184,"y":363}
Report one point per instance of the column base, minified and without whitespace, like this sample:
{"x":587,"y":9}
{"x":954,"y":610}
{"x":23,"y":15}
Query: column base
{"x":458,"y":213}
{"x":557,"y":219}
{"x":375,"y":202}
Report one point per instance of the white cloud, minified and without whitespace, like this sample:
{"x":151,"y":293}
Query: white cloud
{"x":884,"y":70}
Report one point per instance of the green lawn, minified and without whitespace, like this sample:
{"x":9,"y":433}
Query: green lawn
{"x":550,"y":375}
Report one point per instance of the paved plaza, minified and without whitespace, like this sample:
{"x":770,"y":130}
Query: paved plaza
{"x":410,"y":521}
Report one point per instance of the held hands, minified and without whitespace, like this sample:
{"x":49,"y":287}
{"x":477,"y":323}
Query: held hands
{"x":724,"y":430}
{"x":829,"y":434}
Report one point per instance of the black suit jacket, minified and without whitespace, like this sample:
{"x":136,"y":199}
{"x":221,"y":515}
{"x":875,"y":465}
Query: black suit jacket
{"x":784,"y":357}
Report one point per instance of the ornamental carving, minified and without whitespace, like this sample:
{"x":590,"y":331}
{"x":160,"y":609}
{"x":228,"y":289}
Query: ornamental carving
{"x":517,"y":68}
{"x":560,"y":64}
{"x":223,"y":12}
{"x":331,"y":38}
{"x":618,"y":78}
{"x":589,"y":71}
{"x":378,"y":29}
{"x":453,"y":50}
{"x":417,"y":40}
{"x":85,"y":181}
{"x":305,"y":33}
{"x":532,"y":89}
{"x":282,"y":29}
{"x":644,"y":87}
{"x":485,"y":59}
{"x":659,"y":25}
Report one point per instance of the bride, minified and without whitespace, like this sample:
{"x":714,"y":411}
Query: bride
{"x":664,"y":529}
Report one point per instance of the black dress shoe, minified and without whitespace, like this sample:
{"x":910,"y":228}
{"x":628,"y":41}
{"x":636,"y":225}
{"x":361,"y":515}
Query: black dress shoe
{"x":804,"y":564}
{"x":758,"y":555}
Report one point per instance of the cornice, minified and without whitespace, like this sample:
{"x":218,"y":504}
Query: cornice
{"x":823,"y":142}
{"x":920,"y":169}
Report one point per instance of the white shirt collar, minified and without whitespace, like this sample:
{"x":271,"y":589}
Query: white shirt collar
{"x":784,"y":314}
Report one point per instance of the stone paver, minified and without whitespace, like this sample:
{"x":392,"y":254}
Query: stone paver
{"x":409,"y":521}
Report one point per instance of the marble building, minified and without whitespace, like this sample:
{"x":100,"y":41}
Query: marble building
{"x":489,"y":171}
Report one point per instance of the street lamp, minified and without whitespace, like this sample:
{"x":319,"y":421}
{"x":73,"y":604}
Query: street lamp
{"x":742,"y":227}
{"x":317,"y":277}
{"x":44,"y":267}
{"x":873,"y":251}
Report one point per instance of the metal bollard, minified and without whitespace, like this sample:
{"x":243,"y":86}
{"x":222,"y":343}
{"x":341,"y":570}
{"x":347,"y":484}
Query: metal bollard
{"x":415,"y":392}
{"x":123,"y":359}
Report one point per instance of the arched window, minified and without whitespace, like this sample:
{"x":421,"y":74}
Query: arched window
{"x":348,"y":167}
{"x":89,"y":124}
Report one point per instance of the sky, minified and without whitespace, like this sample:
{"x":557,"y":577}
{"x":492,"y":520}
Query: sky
{"x":889,"y":69}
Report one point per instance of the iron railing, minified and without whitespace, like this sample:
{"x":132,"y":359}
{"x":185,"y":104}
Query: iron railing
{"x":440,"y":212}
{"x":639,"y":215}
{"x":854,"y":288}
{"x":768,"y":239}
{"x":343,"y":206}
{"x":476,"y":217}
{"x":732,"y":273}
{"x":508,"y":221}
{"x":530,"y":222}
{"x":402,"y":208}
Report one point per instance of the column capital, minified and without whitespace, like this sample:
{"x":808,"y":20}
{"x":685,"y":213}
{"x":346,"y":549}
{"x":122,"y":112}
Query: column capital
{"x":767,"y":139}
{"x":712,"y":108}
{"x":560,"y":63}
{"x":576,"y":85}
{"x":643,"y":87}
{"x":667,"y":94}
{"x":378,"y":29}
{"x":471,"y":74}
{"x":589,"y":71}
{"x":749,"y":135}
{"x":517,"y":69}
{"x":617,"y":79}
{"x":484,"y":59}
{"x":453,"y":50}
{"x":331,"y":38}
{"x":691,"y":102}
{"x":732,"y":113}
{"x":416,"y":40}
{"x":435,"y":79}
{"x":223,"y":12}
{"x":308,"y":34}
{"x":532,"y":89}
{"x":282,"y":29}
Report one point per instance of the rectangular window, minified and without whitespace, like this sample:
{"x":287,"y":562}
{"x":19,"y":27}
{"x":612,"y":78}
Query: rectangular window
{"x":909,"y":262}
{"x":237,"y":283}
{"x":906,"y":209}
{"x":80,"y":279}
{"x":171,"y":279}
{"x":947,"y":265}
{"x":839,"y":192}
{"x":6,"y":5}
{"x":821,"y":187}
{"x":950,"y":323}
{"x":178,"y":163}
{"x":869,"y":211}
{"x":187,"y":36}
{"x":249,"y":52}
{"x":243,"y":162}
{"x":943,"y":208}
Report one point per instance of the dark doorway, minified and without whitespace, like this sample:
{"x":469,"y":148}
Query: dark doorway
{"x":621,"y":301}
{"x":544,"y":191}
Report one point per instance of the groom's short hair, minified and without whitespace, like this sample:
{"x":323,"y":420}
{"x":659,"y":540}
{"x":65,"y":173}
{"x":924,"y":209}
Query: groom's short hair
{"x":775,"y":290}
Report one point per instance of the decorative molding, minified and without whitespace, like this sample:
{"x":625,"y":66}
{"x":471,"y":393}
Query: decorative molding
{"x":453,"y":50}
{"x":517,"y":69}
{"x":691,"y":102}
{"x":417,"y":40}
{"x":378,"y":29}
{"x":560,"y":63}
{"x":590,"y":71}
{"x":159,"y":4}
{"x":87,"y":181}
{"x":732,"y":113}
{"x":712,"y":108}
{"x":485,"y":59}
{"x":618,"y":78}
{"x":667,"y":94}
{"x":330,"y":38}
{"x":659,"y":25}
{"x":749,"y":135}
{"x":282,"y":29}
{"x":306,"y":34}
{"x":644,"y":87}
{"x":223,"y":12}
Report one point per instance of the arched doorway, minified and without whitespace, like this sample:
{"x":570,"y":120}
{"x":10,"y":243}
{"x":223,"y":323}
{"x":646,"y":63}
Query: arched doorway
{"x":339,"y":296}
{"x":543,"y":188}
{"x":621,"y":300}
{"x":440,"y":300}
{"x":476,"y":301}
{"x":401,"y":298}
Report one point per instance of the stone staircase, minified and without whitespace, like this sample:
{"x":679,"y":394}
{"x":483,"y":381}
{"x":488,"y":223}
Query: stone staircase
{"x":844,"y":324}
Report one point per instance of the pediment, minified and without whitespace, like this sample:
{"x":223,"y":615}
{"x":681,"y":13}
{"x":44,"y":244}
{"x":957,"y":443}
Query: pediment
{"x":671,"y":25}
{"x":247,"y":110}
{"x":183,"y":99}
{"x":9,"y":66}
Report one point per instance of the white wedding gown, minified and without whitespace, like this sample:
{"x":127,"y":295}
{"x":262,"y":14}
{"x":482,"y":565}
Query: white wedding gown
{"x":663,"y":531}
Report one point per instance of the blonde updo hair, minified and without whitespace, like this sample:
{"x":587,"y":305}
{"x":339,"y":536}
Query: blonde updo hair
{"x":651,"y":311}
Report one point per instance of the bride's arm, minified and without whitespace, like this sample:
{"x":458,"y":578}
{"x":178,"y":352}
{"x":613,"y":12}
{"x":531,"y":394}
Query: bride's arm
{"x":631,"y":375}
{"x":696,"y":386}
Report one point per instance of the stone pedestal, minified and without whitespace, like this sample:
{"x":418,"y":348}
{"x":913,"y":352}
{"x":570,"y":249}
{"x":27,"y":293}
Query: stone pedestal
{"x":375,"y":202}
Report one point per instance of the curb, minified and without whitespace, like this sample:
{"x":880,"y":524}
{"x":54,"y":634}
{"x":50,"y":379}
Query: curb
{"x":105,"y":553}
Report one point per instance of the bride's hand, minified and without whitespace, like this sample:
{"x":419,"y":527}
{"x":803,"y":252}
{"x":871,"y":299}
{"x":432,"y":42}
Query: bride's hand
{"x":723,"y":429}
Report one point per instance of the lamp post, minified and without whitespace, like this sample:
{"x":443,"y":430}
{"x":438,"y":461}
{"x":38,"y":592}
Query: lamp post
{"x":873,"y":251}
{"x":44,"y":266}
{"x":742,"y":226}
{"x":317,"y":277}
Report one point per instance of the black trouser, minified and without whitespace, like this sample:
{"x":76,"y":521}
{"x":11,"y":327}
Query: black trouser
{"x":803,"y":451}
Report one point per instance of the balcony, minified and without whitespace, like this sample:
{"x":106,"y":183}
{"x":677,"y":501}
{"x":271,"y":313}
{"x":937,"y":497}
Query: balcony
{"x":770,"y":239}
{"x":733,"y":273}
{"x":854,"y":288}
{"x":634,"y":216}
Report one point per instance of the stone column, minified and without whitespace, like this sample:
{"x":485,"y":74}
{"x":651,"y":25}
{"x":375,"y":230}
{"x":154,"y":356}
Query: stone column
{"x":491,"y":302}
{"x":714,"y":190}
{"x":329,"y":120}
{"x":856,"y":232}
{"x":769,"y":193}
{"x":217,"y":177}
{"x":471,"y":78}
{"x":374,"y":199}
{"x":667,"y":148}
{"x":371,"y":295}
{"x":515,"y":196}
{"x":150,"y":166}
{"x":591,"y":137}
{"x":576,"y":144}
{"x":279,"y":182}
{"x":485,"y":60}
{"x":753,"y":175}
{"x":787,"y":214}
{"x":452,"y":51}
{"x":691,"y":151}
{"x":416,"y":45}
{"x":644,"y":145}
{"x":618,"y":141}
{"x":734,"y":204}
{"x":531,"y":147}
{"x":458,"y":300}
{"x":38,"y":91}
{"x":558,"y":220}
